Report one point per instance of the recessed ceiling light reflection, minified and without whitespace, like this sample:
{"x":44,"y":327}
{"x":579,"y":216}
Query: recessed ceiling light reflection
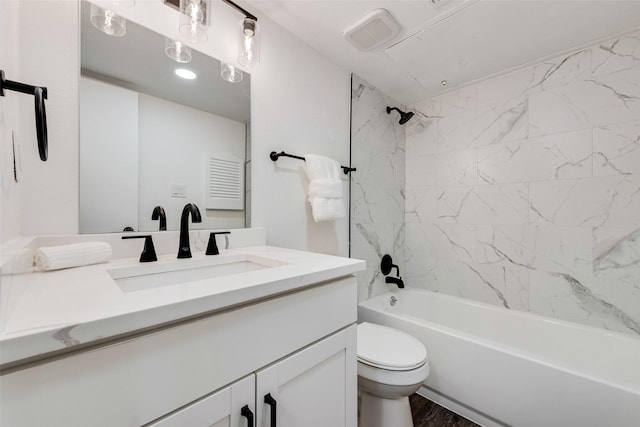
{"x":185,"y":74}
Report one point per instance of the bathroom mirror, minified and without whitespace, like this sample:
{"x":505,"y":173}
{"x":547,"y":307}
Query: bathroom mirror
{"x":151,"y":138}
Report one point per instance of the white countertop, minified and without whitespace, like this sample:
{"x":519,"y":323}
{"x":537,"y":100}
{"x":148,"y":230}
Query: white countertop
{"x":45,"y":312}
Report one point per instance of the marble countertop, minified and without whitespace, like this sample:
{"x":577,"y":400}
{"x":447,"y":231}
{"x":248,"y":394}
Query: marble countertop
{"x":44,"y":313}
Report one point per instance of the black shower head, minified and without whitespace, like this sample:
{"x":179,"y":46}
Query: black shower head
{"x":404,"y":117}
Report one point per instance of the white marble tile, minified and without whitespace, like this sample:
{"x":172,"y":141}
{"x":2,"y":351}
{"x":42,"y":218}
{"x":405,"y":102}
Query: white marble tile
{"x":484,"y":126}
{"x":593,"y":202}
{"x":569,"y":298}
{"x":615,"y":55}
{"x":507,"y":87}
{"x":370,"y":242}
{"x":446,"y":169}
{"x":559,"y":156}
{"x":566,"y":250}
{"x":485,"y":204}
{"x":500,"y":285}
{"x":371,"y":205}
{"x":421,"y":256}
{"x":458,"y":168}
{"x":616,"y":268}
{"x":421,"y":204}
{"x":421,"y":136}
{"x":616,"y":149}
{"x":514,"y":244}
{"x":605,"y":99}
{"x":563,"y":70}
{"x":523,"y":82}
{"x":422,"y":170}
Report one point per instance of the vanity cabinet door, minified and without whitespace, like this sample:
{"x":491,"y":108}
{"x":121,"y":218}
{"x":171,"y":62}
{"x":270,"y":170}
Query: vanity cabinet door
{"x":224,"y":408}
{"x":314,"y":387}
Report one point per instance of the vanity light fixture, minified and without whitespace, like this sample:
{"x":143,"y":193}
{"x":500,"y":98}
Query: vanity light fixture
{"x":107,"y":21}
{"x":185,"y":74}
{"x":193,"y":20}
{"x":177,"y":50}
{"x":230,"y":73}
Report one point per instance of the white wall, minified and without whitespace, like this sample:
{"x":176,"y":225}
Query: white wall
{"x":10,"y":128}
{"x":300,"y":103}
{"x":174,"y":144}
{"x":108,"y":157}
{"x":523,"y":191}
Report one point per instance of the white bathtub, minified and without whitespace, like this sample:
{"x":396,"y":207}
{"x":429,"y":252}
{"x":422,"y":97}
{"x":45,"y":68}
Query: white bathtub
{"x":504,"y":367}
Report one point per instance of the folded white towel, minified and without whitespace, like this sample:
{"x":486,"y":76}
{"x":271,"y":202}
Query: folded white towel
{"x":74,"y":255}
{"x":325,"y":188}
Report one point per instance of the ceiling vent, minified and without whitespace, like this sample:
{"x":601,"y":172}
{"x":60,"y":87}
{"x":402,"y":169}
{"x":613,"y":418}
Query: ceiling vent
{"x":372,"y":30}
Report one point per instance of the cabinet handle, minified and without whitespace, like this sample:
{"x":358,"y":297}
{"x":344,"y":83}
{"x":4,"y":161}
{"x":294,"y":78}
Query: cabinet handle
{"x":269,"y":400}
{"x":246,"y":412}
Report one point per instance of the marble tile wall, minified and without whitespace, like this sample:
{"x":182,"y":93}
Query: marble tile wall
{"x":377,"y":187}
{"x":524,"y":191}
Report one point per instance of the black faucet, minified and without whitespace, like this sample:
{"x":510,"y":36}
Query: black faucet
{"x":395,"y":280}
{"x":158,"y":213}
{"x":386,"y":265}
{"x":184,"y":250}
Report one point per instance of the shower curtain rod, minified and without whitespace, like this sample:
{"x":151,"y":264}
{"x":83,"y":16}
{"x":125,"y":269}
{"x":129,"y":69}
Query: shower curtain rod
{"x":274,"y":156}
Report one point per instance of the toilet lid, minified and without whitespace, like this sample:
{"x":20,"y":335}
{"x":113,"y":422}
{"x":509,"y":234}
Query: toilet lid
{"x":389,"y":348}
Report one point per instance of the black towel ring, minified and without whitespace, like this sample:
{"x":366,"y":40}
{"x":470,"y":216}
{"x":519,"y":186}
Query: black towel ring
{"x":40,"y":94}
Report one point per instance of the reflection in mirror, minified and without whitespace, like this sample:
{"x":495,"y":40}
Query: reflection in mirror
{"x":151,"y":138}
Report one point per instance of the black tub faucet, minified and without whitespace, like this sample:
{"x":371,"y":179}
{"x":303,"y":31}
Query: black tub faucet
{"x":386,"y":265}
{"x":158,"y":213}
{"x":184,"y":250}
{"x":395,"y":280}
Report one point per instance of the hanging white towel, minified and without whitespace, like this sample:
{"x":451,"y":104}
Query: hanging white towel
{"x":325,"y":187}
{"x":74,"y":255}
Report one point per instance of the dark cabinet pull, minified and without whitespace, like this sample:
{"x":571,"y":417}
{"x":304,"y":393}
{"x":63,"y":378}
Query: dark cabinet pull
{"x":246,"y":412}
{"x":269,"y":400}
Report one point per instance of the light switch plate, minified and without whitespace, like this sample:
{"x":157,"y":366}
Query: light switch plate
{"x":178,"y":190}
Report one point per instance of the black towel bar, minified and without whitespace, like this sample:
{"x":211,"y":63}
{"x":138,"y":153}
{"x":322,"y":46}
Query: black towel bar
{"x":274,"y":156}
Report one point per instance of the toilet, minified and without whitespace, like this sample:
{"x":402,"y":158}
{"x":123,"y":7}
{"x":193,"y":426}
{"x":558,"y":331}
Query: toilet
{"x":391,"y":366}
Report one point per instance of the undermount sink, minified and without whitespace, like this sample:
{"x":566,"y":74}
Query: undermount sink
{"x":132,"y":279}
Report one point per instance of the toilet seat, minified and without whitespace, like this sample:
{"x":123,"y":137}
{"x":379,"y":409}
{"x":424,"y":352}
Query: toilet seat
{"x":385,"y":348}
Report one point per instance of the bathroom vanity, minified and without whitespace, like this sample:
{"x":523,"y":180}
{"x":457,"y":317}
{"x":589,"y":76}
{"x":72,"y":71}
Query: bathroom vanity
{"x":255,"y":336}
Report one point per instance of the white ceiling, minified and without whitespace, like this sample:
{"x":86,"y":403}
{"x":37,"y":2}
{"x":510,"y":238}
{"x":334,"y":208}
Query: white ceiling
{"x":460,"y":41}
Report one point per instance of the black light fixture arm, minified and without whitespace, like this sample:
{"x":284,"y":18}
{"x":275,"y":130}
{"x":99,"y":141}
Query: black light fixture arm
{"x":40,"y":94}
{"x":274,"y":156}
{"x":241,"y":10}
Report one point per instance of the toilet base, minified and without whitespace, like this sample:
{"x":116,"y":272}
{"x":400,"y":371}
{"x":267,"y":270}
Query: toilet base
{"x":379,"y":412}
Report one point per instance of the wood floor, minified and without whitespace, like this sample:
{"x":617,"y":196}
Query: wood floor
{"x":429,"y":414}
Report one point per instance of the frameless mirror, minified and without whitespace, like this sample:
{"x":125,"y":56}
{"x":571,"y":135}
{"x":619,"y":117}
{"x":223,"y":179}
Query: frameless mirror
{"x":151,"y":138}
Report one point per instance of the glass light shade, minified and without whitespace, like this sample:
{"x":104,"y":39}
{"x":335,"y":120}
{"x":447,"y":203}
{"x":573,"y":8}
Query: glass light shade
{"x":230,"y":73}
{"x":177,"y":51}
{"x":193,"y":20}
{"x":249,"y":43}
{"x":107,"y":21}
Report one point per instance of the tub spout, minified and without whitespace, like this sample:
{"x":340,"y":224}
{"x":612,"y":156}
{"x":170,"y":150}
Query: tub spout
{"x":395,"y":280}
